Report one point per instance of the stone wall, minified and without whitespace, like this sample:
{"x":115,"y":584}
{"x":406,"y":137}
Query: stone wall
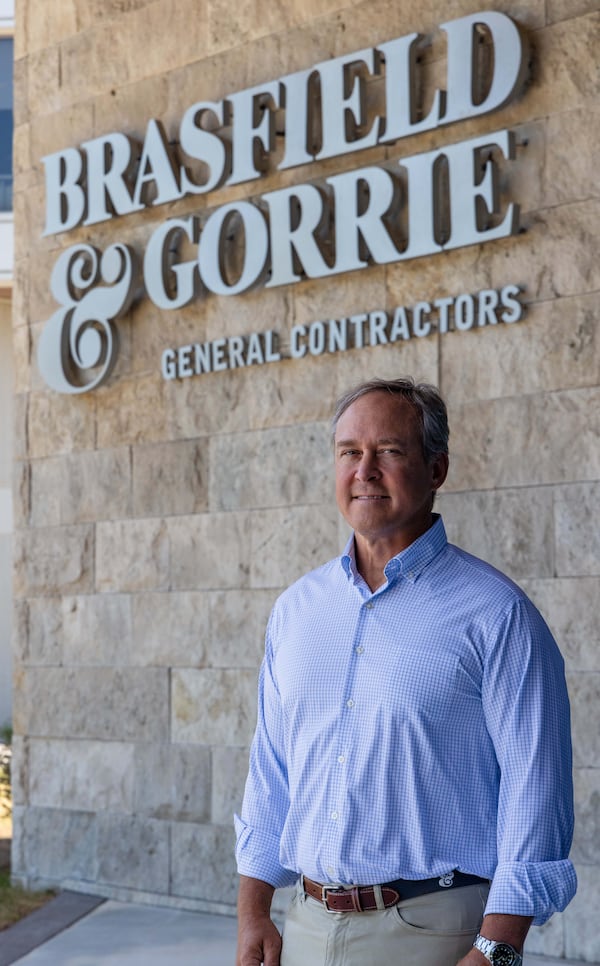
{"x":157,"y":520}
{"x":6,"y":440}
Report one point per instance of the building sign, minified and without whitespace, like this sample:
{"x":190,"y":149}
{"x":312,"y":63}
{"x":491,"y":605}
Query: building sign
{"x":408,"y":207}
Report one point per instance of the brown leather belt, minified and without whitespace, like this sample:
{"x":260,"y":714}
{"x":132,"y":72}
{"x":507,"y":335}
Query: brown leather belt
{"x":369,"y":898}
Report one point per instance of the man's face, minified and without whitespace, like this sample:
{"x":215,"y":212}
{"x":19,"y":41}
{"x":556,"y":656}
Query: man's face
{"x":383,"y":484}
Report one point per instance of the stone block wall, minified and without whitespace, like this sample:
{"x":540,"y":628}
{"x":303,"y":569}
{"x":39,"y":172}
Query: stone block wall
{"x":158,"y":520}
{"x":6,"y":439}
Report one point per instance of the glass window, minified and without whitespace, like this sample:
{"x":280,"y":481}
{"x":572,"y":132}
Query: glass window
{"x":6,"y":122}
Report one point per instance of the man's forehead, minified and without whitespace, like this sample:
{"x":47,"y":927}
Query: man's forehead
{"x":379,"y":413}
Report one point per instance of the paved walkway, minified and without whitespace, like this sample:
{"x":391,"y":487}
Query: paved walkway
{"x":76,"y":930}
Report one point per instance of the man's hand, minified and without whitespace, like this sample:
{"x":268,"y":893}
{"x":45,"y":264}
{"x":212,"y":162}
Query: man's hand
{"x":258,"y":937}
{"x":258,"y":942}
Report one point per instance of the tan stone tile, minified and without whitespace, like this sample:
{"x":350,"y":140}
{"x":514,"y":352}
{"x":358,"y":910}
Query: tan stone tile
{"x":237,"y":624}
{"x":123,"y":704}
{"x":510,"y":529}
{"x":208,"y":551}
{"x":213,"y":706}
{"x":268,"y":468}
{"x":539,"y":439}
{"x":557,"y":10}
{"x":257,"y":311}
{"x":21,"y":109}
{"x":22,"y":156}
{"x":60,"y":424}
{"x":286,"y":543}
{"x":20,"y":426}
{"x":229,"y":770}
{"x":84,"y":59}
{"x":132,"y":555}
{"x":38,"y":632}
{"x":586,"y":839}
{"x":133,"y":852}
{"x":81,"y":487}
{"x":155,"y":618}
{"x":48,"y":31}
{"x":95,"y":630}
{"x":212,"y":402}
{"x":128,"y":108}
{"x":171,"y":478}
{"x":52,"y":560}
{"x":572,"y":156}
{"x":584,"y":692}
{"x":577,"y":542}
{"x":565,"y":73}
{"x":44,"y":88}
{"x":132,"y":411}
{"x":56,"y":845}
{"x":21,"y":344}
{"x":206,"y":847}
{"x":555,"y":346}
{"x":157,"y":50}
{"x":180,"y":787}
{"x":19,"y":771}
{"x":65,"y":128}
{"x":91,"y":12}
{"x":549,"y":939}
{"x":45,"y":485}
{"x":81,"y":775}
{"x":21,"y":494}
{"x":569,"y":607}
{"x":580,"y":916}
{"x":20,"y":293}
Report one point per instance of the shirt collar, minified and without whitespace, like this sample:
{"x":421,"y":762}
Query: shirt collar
{"x":409,"y":563}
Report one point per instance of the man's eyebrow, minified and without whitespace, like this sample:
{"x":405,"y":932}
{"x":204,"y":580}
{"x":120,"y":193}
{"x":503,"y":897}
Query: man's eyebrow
{"x":385,"y":441}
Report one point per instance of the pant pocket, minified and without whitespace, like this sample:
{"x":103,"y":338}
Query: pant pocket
{"x":456,"y":913}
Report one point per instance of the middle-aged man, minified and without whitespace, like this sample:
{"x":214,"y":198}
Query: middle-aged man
{"x":411,"y":767}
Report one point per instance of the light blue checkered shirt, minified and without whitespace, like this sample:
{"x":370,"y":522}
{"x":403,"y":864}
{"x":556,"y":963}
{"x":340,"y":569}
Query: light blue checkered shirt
{"x":411,"y":731}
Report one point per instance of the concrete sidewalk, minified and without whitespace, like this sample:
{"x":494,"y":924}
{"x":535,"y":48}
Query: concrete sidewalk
{"x":75,"y":930}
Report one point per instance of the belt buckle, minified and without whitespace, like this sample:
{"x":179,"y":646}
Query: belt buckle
{"x":324,"y":892}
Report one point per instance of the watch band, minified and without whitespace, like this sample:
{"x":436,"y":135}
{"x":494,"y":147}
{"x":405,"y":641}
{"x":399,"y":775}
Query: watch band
{"x":498,"y":953}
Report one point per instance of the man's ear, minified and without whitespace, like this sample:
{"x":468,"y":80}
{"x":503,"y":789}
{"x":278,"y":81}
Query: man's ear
{"x":439,"y":470}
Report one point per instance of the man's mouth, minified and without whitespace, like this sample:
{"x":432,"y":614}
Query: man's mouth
{"x":370,"y":497}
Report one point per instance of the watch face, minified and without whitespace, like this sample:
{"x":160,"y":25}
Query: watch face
{"x":504,"y":955}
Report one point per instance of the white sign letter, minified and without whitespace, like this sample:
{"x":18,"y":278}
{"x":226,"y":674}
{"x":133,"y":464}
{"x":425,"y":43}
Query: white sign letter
{"x":510,"y":64}
{"x":65,"y":198}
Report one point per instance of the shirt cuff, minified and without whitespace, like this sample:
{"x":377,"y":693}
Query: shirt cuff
{"x":536,"y":889}
{"x":257,"y":854}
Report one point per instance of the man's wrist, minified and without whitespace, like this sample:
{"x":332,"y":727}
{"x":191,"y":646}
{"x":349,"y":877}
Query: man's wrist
{"x":497,"y":952}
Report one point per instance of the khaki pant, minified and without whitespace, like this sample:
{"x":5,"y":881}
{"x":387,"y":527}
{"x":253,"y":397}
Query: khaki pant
{"x":437,"y":929}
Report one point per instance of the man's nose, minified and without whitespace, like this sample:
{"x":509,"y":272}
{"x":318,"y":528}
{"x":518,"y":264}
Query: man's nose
{"x":368,"y":468}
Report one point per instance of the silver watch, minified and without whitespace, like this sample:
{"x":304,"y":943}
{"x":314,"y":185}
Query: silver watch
{"x":499,"y":954}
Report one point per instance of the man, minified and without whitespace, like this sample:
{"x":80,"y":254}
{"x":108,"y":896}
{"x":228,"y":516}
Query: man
{"x":411,"y":767}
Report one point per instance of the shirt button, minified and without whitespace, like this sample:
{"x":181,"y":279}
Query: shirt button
{"x":360,"y":649}
{"x":369,"y":606}
{"x":330,"y":870}
{"x":350,"y":703}
{"x":334,"y":816}
{"x":341,"y":759}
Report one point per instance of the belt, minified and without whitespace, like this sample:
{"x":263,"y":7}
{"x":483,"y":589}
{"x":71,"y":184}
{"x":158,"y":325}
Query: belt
{"x":369,"y":898}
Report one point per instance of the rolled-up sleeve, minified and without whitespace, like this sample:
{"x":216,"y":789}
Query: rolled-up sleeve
{"x":266,"y":797}
{"x":528,"y":717}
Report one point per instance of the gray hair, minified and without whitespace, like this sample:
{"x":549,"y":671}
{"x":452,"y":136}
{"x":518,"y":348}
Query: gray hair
{"x":425,"y":400}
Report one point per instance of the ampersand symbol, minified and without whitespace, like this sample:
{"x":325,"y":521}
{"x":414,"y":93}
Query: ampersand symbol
{"x":79,"y":345}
